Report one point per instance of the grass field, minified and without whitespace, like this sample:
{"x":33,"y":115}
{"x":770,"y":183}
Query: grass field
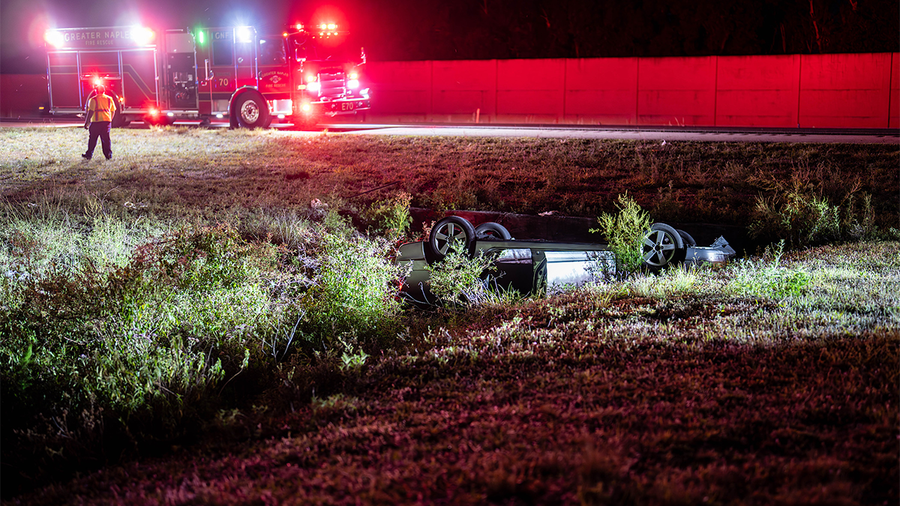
{"x":182,"y":326}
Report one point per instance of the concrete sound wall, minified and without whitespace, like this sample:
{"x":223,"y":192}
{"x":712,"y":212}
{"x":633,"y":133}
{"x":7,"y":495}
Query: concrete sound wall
{"x":840,"y":90}
{"x":844,"y":90}
{"x":894,"y":101}
{"x":758,"y":91}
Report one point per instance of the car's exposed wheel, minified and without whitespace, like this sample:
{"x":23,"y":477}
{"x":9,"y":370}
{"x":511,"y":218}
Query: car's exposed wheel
{"x":492,"y":230}
{"x":251,"y":111}
{"x":451,"y":234}
{"x":661,"y":246}
{"x":686,"y":238}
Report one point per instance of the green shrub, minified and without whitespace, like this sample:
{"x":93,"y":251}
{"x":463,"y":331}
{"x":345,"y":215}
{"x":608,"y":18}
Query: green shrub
{"x":206,"y":258}
{"x":624,"y":232}
{"x":767,"y":278}
{"x":389,"y":217}
{"x":798,"y":217}
{"x":153,"y":338}
{"x":353,"y":298}
{"x":457,"y":281}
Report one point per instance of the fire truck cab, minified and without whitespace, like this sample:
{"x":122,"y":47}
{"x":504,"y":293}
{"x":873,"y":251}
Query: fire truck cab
{"x":206,"y":74}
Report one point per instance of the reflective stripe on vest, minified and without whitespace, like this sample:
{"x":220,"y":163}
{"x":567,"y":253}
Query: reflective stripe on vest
{"x":101,"y":113}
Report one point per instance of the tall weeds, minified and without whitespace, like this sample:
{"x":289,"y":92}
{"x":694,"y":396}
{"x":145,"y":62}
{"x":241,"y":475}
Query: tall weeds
{"x":624,"y":232}
{"x":106,"y":331}
{"x":802,"y":214}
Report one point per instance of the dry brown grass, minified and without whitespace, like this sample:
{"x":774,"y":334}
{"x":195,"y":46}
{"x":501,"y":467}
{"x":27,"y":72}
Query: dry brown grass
{"x":772,"y":381}
{"x":177,"y":171}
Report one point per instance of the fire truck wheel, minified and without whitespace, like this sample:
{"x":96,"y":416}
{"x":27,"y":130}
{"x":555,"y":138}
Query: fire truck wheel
{"x":251,"y":111}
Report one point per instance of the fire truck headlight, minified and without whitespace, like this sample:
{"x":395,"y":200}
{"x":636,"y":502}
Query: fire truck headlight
{"x":305,"y":107}
{"x":54,"y":38}
{"x":353,"y":84}
{"x":314,"y":87}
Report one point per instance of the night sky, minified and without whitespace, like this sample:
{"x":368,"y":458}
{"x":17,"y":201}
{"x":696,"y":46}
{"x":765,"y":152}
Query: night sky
{"x":485,"y":29}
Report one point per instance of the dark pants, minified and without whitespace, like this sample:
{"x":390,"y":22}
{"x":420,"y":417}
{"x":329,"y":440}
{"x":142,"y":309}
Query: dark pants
{"x":100,"y":129}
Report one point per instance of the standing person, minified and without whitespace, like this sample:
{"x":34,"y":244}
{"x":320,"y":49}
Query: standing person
{"x":100,"y":111}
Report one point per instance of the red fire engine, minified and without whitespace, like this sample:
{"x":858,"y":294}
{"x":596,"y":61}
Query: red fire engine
{"x":208,"y":73}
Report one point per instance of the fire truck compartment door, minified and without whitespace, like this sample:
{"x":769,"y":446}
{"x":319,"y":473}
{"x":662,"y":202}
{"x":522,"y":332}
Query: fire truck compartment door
{"x":139,"y":84}
{"x":63,"y":72}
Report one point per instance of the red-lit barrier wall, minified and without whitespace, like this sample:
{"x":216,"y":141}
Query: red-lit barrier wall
{"x":842,"y":90}
{"x":22,"y":95}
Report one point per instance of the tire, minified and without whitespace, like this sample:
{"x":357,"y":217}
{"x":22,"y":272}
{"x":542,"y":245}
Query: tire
{"x":251,"y":111}
{"x":661,"y":247}
{"x":492,"y":230}
{"x":686,"y":238}
{"x":451,"y":234}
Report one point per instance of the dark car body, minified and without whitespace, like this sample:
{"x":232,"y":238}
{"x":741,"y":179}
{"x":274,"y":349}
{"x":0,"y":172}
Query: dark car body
{"x":534,"y":267}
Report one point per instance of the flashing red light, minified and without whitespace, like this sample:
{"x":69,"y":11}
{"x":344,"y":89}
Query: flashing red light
{"x":154,"y":112}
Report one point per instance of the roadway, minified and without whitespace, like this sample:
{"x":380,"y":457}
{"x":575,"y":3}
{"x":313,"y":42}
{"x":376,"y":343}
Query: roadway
{"x":667,"y":134}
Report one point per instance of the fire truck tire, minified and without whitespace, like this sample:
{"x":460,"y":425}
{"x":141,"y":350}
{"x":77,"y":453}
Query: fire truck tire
{"x":251,"y":111}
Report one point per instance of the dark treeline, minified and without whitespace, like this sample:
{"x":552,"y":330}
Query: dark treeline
{"x":486,"y":29}
{"x":501,"y":29}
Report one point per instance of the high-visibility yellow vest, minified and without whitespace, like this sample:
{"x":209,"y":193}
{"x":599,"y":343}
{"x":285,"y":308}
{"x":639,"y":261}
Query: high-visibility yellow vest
{"x":101,"y":108}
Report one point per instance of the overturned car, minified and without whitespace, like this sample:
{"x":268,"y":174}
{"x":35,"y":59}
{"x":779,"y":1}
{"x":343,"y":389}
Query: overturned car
{"x":533,"y":267}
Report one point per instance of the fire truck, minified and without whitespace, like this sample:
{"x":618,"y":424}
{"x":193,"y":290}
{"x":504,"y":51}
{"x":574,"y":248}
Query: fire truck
{"x":208,"y":74}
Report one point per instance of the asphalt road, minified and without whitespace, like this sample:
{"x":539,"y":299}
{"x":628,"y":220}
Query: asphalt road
{"x":667,"y":134}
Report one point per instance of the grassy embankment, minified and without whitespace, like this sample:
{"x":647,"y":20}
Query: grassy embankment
{"x":184,"y":302}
